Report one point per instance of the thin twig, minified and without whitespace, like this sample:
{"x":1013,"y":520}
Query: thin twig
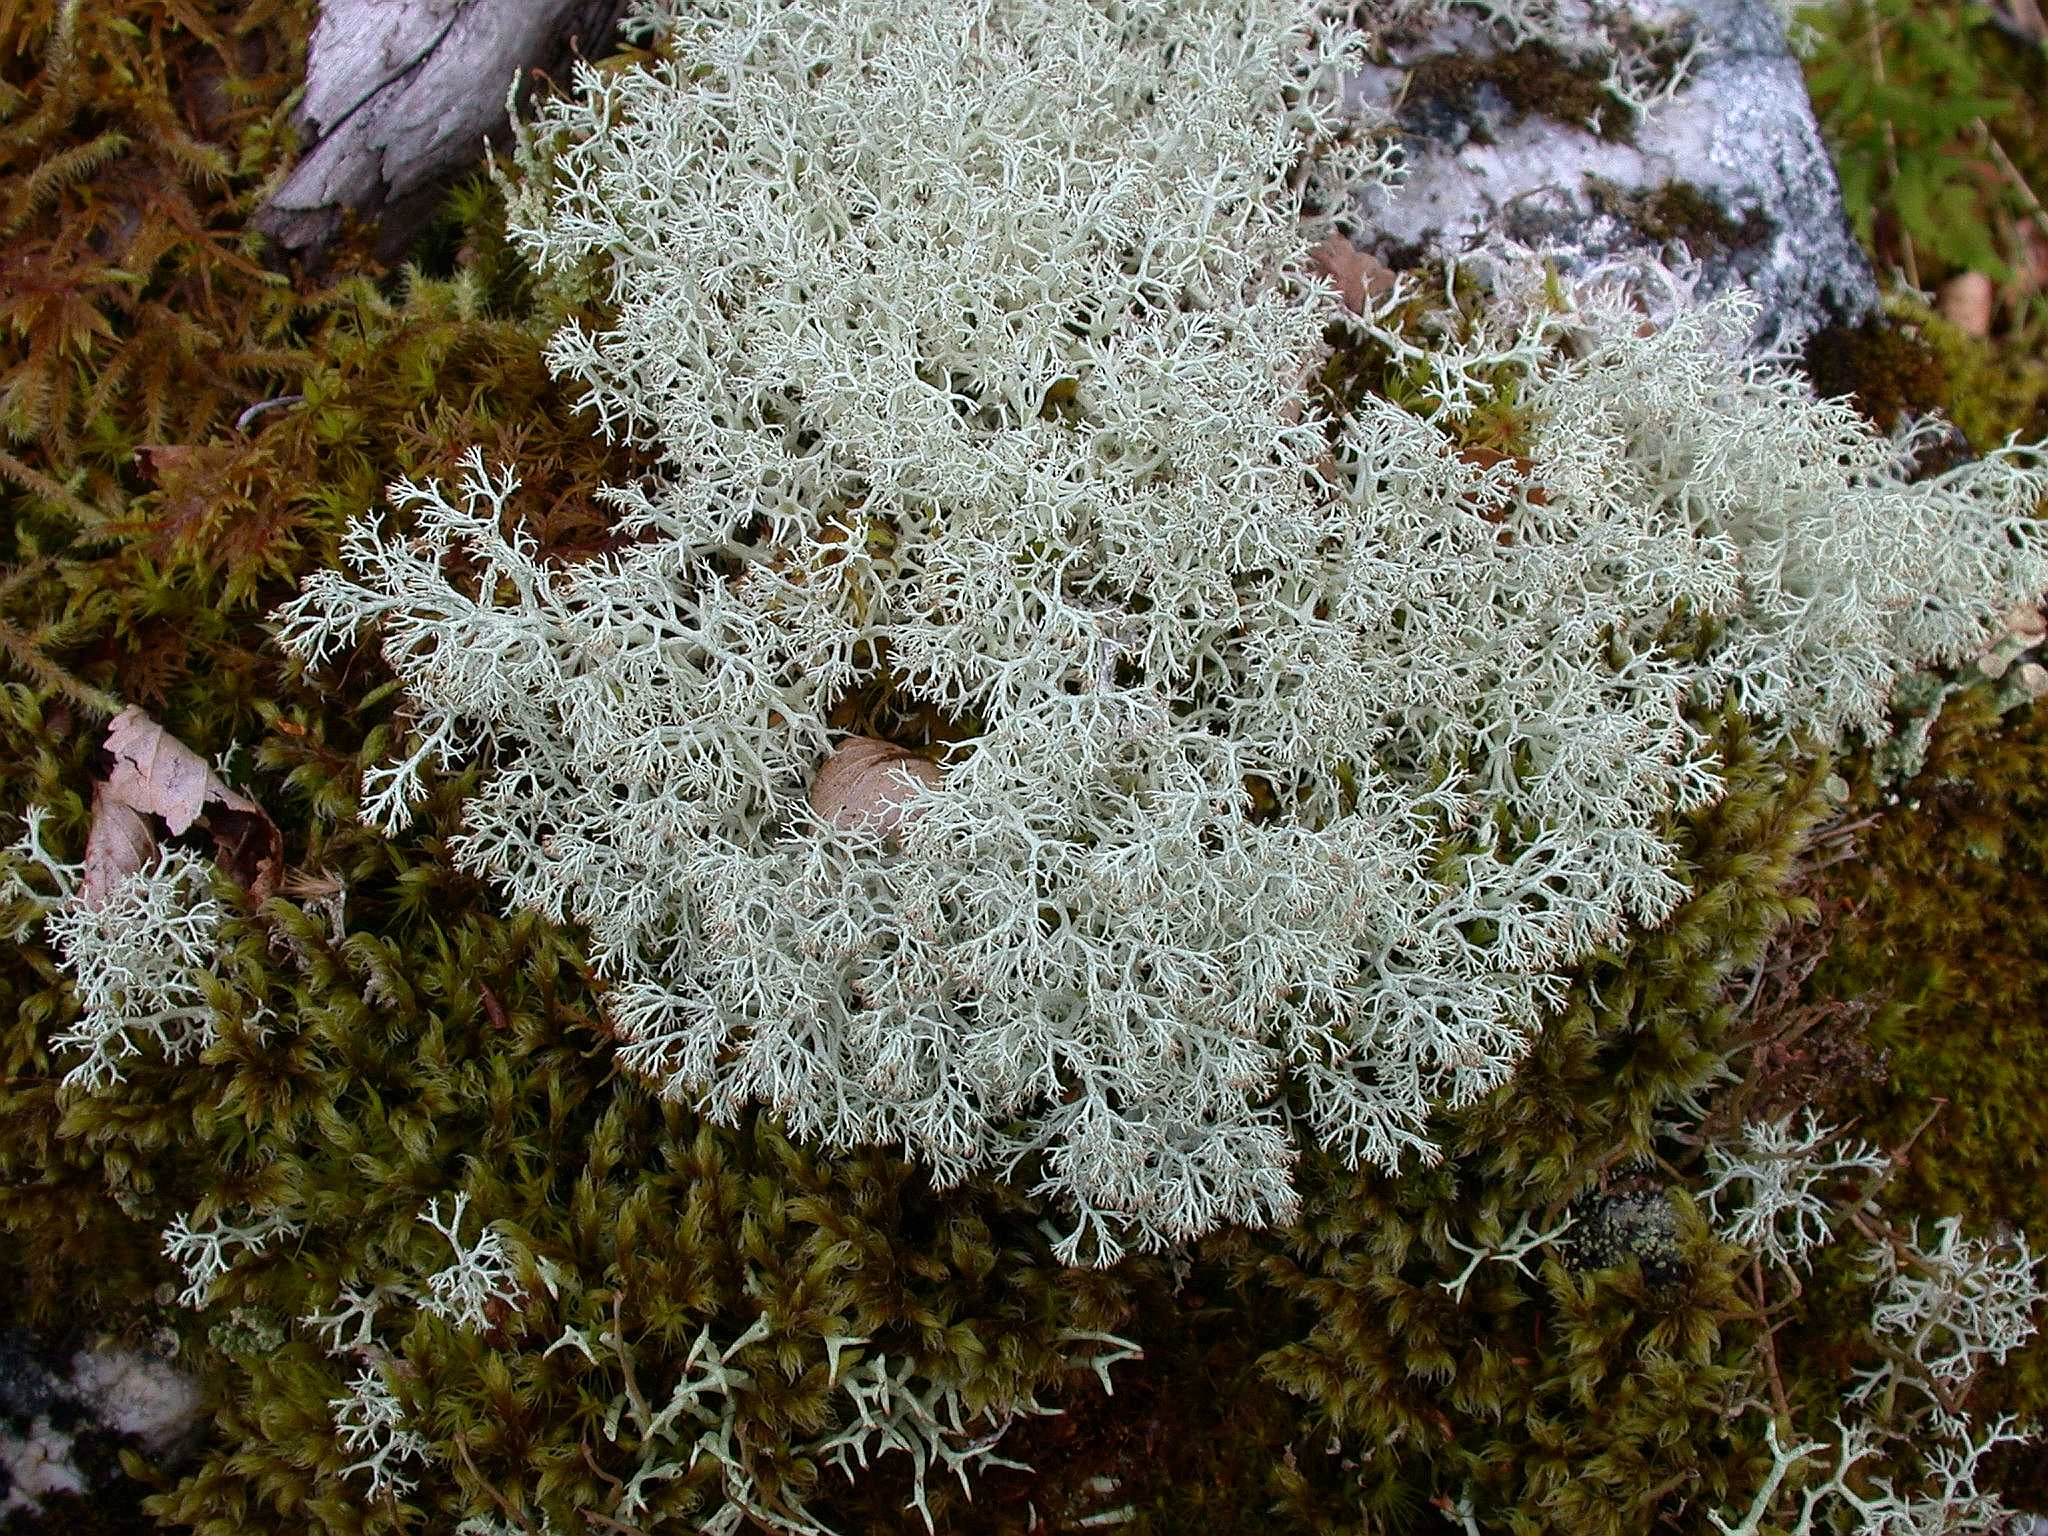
{"x":1842,"y":829}
{"x":503,"y":1503}
{"x":590,"y":1460}
{"x":612,"y":1525}
{"x":1897,"y":1158}
{"x":2012,"y":174}
{"x":1780,"y":1405}
{"x":1670,"y":1484}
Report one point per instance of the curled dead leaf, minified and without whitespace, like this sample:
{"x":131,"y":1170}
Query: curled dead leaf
{"x":155,"y":774}
{"x":1356,"y":273}
{"x":868,"y":782}
{"x":118,"y":843}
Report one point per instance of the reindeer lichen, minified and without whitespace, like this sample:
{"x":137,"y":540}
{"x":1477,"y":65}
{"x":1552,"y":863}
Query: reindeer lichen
{"x":1298,"y":753}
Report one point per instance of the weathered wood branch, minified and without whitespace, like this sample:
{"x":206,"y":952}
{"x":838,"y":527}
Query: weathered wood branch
{"x":401,"y":96}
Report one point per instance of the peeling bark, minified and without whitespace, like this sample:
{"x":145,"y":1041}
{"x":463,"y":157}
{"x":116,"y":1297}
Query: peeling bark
{"x":401,"y":96}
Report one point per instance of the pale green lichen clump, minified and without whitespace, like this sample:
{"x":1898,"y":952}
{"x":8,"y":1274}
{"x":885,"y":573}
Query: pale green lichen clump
{"x":1298,"y":756}
{"x":138,"y":954}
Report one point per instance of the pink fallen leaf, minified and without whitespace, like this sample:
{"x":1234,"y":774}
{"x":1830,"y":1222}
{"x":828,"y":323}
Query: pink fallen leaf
{"x":157,"y":773}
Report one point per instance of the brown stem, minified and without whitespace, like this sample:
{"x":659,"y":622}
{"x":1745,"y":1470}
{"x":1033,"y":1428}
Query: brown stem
{"x":2012,"y":174}
{"x":1891,"y":151}
{"x":1897,"y":1160}
{"x":503,"y":1503}
{"x":612,"y":1525}
{"x":1670,"y":1484}
{"x":590,"y":1461}
{"x":1780,"y":1405}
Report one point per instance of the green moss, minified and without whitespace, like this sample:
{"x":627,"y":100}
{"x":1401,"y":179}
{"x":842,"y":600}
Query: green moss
{"x":1946,"y":911}
{"x":1885,"y":366}
{"x":1997,"y":388}
{"x":1534,"y":78}
{"x":1681,"y":212}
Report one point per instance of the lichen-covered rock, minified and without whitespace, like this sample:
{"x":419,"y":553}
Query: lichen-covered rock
{"x":1607,"y":133}
{"x":1634,"y":1219}
{"x":65,"y":1416}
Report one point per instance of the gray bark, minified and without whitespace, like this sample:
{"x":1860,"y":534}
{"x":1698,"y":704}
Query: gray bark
{"x":401,"y":96}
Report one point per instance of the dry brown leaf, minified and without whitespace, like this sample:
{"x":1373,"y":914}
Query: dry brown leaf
{"x":247,"y":844}
{"x":870,"y":782}
{"x":155,"y":774}
{"x":117,"y":844}
{"x":1356,"y":273}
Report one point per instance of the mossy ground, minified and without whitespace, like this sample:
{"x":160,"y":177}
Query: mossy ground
{"x":1317,"y":1379}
